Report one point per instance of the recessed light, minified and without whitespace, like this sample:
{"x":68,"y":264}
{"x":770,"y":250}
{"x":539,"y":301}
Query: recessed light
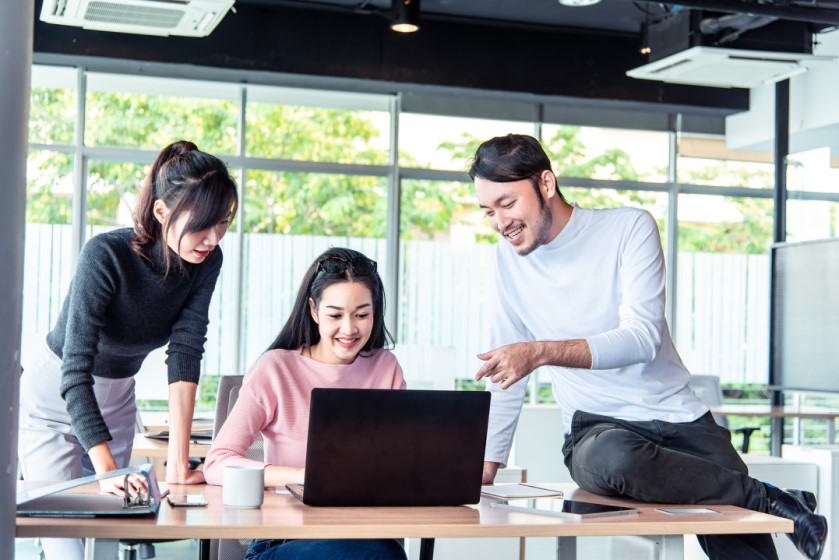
{"x":578,"y":3}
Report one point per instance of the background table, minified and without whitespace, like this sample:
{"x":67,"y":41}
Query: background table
{"x":778,"y":414}
{"x":156,"y":450}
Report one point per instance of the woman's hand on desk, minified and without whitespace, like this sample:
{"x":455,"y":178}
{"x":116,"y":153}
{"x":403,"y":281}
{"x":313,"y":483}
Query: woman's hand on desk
{"x":183,"y":475}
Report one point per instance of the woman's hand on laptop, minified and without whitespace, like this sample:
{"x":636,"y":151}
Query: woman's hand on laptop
{"x":280,"y":476}
{"x":490,"y":470}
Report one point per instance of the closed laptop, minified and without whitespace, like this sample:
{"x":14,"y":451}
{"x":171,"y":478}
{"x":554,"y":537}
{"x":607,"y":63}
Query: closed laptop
{"x":379,"y":447}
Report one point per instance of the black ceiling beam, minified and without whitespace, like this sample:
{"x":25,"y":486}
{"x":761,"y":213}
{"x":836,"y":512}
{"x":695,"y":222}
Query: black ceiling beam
{"x":579,"y":64}
{"x":810,"y":15}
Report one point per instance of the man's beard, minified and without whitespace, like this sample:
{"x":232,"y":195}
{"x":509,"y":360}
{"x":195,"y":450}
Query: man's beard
{"x":543,"y":231}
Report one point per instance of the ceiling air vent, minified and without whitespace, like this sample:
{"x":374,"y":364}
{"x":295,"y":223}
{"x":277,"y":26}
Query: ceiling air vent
{"x":728,"y":68}
{"x":189,"y":18}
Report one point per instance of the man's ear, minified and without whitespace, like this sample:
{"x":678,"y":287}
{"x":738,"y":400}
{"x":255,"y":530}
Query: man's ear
{"x":313,"y":310}
{"x":160,"y":211}
{"x":548,"y":184}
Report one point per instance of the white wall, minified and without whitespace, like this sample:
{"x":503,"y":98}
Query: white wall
{"x":814,"y":113}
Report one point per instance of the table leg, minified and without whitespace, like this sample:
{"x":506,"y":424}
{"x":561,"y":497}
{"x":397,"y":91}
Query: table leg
{"x":101,"y":549}
{"x":668,"y":547}
{"x":777,"y":436}
{"x":566,"y":548}
{"x":426,"y":549}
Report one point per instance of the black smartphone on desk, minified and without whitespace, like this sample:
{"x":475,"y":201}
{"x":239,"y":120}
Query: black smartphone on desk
{"x":186,"y":500}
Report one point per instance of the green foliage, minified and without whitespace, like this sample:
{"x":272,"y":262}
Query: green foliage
{"x":52,"y":116}
{"x":151,"y":122}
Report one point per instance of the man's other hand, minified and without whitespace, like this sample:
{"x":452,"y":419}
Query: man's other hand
{"x":509,"y":364}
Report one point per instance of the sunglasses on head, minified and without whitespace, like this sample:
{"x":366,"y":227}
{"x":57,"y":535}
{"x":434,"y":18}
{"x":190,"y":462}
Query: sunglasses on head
{"x":361,"y":266}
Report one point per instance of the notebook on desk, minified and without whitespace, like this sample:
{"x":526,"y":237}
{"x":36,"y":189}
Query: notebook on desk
{"x":379,"y":447}
{"x":194,"y":435}
{"x":59,"y":500}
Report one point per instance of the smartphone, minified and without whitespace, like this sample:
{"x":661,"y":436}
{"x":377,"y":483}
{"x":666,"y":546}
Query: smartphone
{"x":186,"y":500}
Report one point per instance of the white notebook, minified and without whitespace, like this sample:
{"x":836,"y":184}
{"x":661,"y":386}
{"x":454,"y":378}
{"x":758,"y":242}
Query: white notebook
{"x":518,"y":491}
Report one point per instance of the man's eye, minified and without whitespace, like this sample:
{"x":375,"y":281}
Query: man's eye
{"x":509,"y":205}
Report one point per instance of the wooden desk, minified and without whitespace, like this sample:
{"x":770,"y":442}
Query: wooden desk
{"x":156,"y":450}
{"x":282,"y":516}
{"x":780,"y":413}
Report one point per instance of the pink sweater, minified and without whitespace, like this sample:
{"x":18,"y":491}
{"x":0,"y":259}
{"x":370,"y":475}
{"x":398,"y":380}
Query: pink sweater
{"x":274,"y":400}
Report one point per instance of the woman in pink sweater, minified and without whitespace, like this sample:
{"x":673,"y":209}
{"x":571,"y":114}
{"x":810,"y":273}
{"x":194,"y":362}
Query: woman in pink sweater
{"x":335,"y":337}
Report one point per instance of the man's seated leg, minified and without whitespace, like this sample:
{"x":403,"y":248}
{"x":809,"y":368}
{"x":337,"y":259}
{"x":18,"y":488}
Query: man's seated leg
{"x":659,"y":462}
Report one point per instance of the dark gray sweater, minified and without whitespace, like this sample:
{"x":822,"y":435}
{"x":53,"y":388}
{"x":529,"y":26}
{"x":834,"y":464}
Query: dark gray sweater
{"x":118,"y":309}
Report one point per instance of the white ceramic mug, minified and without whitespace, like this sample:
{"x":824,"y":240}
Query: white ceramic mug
{"x":243,"y":487}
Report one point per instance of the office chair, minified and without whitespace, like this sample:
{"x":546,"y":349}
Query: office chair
{"x":228,"y":392}
{"x":708,"y":389}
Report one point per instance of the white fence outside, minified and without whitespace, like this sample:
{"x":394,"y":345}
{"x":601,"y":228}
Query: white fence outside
{"x":722,"y":308}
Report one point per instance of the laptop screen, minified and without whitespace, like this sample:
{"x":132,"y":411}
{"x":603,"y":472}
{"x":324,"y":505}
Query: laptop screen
{"x":392,"y":447}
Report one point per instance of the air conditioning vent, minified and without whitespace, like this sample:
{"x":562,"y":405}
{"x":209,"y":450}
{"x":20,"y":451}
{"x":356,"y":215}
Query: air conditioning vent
{"x":120,"y":14}
{"x":190,"y":18}
{"x":728,"y":68}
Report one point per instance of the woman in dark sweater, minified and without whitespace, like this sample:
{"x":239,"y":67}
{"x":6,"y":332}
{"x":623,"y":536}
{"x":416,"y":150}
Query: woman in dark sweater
{"x":134,"y":291}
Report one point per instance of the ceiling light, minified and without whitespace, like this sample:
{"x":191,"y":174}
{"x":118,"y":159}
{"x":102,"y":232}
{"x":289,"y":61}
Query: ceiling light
{"x":578,"y":3}
{"x":405,"y":15}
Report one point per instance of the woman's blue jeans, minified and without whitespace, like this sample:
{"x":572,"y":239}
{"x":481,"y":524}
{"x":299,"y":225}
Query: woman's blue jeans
{"x":669,"y":463}
{"x":338,"y":549}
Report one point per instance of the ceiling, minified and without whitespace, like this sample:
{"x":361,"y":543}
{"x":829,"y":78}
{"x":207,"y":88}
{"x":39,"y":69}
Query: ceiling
{"x":533,"y":49}
{"x":610,"y":15}
{"x":624,"y":16}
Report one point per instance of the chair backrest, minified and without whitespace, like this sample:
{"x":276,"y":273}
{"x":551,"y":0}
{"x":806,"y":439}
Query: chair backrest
{"x":228,"y":392}
{"x":708,"y":389}
{"x":427,"y":367}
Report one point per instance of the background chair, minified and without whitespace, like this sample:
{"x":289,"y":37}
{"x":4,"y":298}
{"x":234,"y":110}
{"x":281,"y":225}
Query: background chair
{"x":708,"y":389}
{"x":228,"y":392}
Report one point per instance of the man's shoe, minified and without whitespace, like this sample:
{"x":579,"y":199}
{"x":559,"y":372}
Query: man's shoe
{"x":810,"y":529}
{"x":808,"y":498}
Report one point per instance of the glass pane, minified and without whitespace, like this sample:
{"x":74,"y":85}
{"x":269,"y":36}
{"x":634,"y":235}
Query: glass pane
{"x":290,"y":218}
{"x":52,"y":107}
{"x":721,"y":173}
{"x":812,"y":171}
{"x":52,"y":115}
{"x":722,"y":306}
{"x":602,"y":153}
{"x":437,"y":142}
{"x":48,"y":253}
{"x":112,"y":190}
{"x":151,"y":113}
{"x":317,"y":134}
{"x":444,"y":288}
{"x":812,"y":219}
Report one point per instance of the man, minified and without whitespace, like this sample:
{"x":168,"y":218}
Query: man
{"x":582,"y":292}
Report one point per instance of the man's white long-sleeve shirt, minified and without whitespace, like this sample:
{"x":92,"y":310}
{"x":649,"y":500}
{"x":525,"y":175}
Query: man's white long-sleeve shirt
{"x":601,"y":279}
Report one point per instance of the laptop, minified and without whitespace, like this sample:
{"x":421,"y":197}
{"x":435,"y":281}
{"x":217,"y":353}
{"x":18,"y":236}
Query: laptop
{"x":382,"y":447}
{"x":60,"y":500}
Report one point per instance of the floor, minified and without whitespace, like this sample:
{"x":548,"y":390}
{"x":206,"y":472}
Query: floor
{"x":26,"y":549}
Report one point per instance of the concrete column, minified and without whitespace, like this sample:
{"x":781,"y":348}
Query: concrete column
{"x":16,"y":23}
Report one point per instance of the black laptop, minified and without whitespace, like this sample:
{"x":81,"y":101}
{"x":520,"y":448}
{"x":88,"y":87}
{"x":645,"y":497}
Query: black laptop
{"x":380,"y":447}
